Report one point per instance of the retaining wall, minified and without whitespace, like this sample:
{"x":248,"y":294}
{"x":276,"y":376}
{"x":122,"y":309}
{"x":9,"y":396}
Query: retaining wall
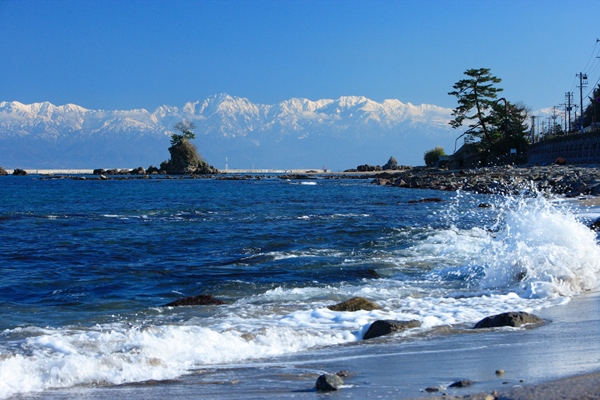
{"x":581,"y":148}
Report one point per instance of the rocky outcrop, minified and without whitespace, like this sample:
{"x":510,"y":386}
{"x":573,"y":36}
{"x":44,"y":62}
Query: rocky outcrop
{"x":19,"y":172}
{"x":186,"y":161}
{"x":567,"y":180}
{"x":152,"y":170}
{"x":385,"y":327}
{"x":369,"y":168}
{"x":514,"y":319}
{"x":3,"y":172}
{"x":391,"y":164}
{"x":138,"y":171}
{"x":354,"y":304}
{"x":200,"y":300}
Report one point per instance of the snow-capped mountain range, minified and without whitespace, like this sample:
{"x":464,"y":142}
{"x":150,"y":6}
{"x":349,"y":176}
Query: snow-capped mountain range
{"x":296,"y":133}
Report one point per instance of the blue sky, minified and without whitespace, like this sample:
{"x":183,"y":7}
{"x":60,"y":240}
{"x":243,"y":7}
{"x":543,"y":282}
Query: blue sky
{"x":142,"y":54}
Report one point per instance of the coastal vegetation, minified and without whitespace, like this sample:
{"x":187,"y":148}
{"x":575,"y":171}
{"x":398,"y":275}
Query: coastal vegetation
{"x":432,"y":156}
{"x":495,"y":127}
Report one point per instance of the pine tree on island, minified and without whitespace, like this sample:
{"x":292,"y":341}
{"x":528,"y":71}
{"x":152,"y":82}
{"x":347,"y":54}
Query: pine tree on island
{"x":185,"y":159}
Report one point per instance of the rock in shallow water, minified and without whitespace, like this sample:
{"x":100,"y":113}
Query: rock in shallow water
{"x":328,"y":383}
{"x":385,"y":327}
{"x":461,"y":384}
{"x":514,"y":319}
{"x":200,"y":300}
{"x":355,"y":304}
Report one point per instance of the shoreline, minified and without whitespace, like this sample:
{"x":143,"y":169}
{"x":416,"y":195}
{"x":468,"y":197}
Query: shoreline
{"x":565,"y":180}
{"x":540,"y":362}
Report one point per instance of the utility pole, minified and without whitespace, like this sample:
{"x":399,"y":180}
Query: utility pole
{"x":554,"y":120}
{"x":569,"y":107}
{"x":564,"y":108}
{"x":533,"y":128}
{"x":582,"y":83}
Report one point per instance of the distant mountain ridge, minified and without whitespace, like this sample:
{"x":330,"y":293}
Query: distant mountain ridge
{"x":295,"y":133}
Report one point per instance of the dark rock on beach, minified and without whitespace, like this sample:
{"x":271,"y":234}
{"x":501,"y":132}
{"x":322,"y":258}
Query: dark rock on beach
{"x":385,"y":327}
{"x":328,"y":382}
{"x":514,"y":319}
{"x":200,"y":300}
{"x":354,"y":304}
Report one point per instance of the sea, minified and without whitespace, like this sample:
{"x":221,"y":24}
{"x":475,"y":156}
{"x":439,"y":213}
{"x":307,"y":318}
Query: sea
{"x":87,"y":267}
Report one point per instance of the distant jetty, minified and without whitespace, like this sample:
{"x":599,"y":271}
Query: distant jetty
{"x":229,"y":171}
{"x":55,"y":171}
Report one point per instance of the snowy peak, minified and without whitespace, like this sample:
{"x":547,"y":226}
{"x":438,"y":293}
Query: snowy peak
{"x":292,"y":133}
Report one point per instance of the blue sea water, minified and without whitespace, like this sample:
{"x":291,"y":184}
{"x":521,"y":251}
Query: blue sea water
{"x":88,"y":265}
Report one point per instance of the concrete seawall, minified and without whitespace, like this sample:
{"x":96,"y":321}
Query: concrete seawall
{"x":581,"y":148}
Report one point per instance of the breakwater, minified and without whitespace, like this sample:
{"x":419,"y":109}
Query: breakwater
{"x":55,"y":171}
{"x":575,"y":149}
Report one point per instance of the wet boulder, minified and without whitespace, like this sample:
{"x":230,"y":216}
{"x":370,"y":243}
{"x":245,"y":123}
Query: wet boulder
{"x":355,"y":304}
{"x":328,"y":383}
{"x":385,"y":327}
{"x":513,"y":319}
{"x":461,"y":384}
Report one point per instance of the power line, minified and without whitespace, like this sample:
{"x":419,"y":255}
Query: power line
{"x":592,"y":55}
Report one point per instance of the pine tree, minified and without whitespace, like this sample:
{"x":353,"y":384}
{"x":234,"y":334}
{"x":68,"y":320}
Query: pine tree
{"x":476,"y":98}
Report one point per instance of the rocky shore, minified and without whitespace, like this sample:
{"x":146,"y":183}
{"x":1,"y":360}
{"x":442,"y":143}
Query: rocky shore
{"x":567,"y":180}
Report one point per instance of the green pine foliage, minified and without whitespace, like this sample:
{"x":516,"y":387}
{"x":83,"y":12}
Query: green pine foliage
{"x":494,"y":124}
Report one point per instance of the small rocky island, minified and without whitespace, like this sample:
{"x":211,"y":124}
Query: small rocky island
{"x":184,"y":160}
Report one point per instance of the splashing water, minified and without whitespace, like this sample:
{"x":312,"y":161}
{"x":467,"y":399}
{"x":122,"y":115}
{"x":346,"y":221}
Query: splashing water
{"x":541,"y":250}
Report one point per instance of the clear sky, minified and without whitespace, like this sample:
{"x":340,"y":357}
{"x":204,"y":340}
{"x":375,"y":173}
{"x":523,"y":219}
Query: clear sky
{"x":129,"y":54}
